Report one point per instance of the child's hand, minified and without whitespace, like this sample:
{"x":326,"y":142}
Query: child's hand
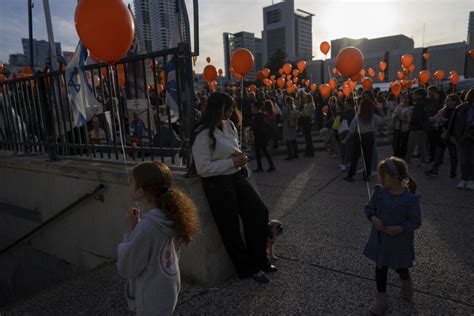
{"x":393,"y":230}
{"x":378,"y":223}
{"x":132,"y":216}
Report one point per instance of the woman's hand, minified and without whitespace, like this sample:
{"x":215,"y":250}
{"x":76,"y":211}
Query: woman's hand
{"x":132,"y":217}
{"x":393,"y":230}
{"x":377,"y":223}
{"x":240,"y":160}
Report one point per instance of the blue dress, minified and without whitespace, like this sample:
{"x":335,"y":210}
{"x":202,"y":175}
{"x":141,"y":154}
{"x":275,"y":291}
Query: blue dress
{"x":395,"y":252}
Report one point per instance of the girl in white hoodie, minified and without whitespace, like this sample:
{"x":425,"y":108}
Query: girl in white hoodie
{"x":148,"y":257}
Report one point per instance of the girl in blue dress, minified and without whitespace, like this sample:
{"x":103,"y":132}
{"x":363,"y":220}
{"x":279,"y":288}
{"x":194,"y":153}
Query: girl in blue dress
{"x":394,"y":210}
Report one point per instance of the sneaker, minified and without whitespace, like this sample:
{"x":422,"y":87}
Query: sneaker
{"x":470,"y":185}
{"x":462,"y":185}
{"x":343,"y":167}
{"x":261,"y":277}
{"x":431,"y":173}
{"x":271,"y":268}
{"x":349,"y":179}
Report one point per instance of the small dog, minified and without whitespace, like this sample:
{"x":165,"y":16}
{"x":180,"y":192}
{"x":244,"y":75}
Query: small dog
{"x":275,"y":229}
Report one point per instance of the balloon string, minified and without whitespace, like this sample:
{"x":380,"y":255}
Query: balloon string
{"x":241,"y":109}
{"x":354,"y":95}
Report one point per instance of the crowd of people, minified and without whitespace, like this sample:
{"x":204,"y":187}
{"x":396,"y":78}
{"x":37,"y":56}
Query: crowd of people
{"x":422,"y":124}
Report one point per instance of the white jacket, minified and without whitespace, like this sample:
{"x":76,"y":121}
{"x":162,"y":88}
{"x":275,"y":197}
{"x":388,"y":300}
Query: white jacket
{"x":149,"y":259}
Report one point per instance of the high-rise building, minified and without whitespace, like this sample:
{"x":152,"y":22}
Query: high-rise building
{"x":141,"y":9}
{"x":470,"y":29}
{"x":41,"y":51}
{"x":18,"y":60}
{"x":242,"y":40}
{"x":286,"y":30}
{"x":375,"y":45}
{"x":155,"y":20}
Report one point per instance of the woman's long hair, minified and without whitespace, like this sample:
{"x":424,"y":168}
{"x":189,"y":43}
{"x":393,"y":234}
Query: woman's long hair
{"x":366,"y":111}
{"x":155,"y":180}
{"x":217,"y":104}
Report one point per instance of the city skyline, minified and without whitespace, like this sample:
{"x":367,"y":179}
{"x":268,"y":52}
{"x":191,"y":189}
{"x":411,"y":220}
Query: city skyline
{"x":444,"y":22}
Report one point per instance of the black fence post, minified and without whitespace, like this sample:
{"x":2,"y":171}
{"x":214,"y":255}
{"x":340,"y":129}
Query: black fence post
{"x":186,"y":97}
{"x":48,"y":119}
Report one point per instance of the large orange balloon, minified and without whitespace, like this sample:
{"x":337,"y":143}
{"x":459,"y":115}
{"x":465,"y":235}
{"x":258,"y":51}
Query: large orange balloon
{"x":325,"y":90}
{"x":105,"y":27}
{"x":407,"y":60}
{"x":424,"y":76}
{"x":383,"y":65}
{"x":371,"y":72}
{"x":210,"y":73}
{"x":295,"y":72}
{"x":426,"y":56}
{"x":471,"y":53}
{"x":333,"y":83}
{"x":439,"y":74}
{"x":301,"y":65}
{"x":325,"y":47}
{"x":242,"y":61}
{"x":314,"y":87}
{"x":266,"y":72}
{"x":287,"y":68}
{"x":367,"y":83}
{"x":280,"y":83}
{"x":349,"y":61}
{"x":396,"y":88}
{"x":381,"y":76}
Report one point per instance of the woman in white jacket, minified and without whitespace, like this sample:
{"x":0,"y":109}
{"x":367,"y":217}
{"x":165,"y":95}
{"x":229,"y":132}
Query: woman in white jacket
{"x":148,"y":257}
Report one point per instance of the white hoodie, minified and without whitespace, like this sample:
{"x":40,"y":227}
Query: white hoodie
{"x":149,"y":259}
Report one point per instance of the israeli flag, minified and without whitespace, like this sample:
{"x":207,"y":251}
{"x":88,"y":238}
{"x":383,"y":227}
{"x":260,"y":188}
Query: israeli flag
{"x":84,"y":105}
{"x":172,"y":62}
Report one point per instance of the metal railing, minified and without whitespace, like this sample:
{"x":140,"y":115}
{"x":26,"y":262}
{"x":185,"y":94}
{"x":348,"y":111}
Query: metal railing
{"x":135,"y":121}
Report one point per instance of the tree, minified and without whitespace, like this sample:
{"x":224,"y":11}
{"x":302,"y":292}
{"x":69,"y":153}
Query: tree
{"x":276,"y":61}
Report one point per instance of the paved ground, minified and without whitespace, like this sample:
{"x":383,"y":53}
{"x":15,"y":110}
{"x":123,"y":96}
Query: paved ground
{"x":322,"y":270}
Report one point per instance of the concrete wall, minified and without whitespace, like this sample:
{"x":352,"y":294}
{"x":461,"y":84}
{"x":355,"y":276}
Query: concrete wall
{"x":88,"y":235}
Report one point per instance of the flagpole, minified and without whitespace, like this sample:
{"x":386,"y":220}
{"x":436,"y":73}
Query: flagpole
{"x":30,"y":34}
{"x":49,"y":29}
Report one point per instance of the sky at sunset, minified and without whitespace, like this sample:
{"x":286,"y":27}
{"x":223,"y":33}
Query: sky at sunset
{"x":445,"y":21}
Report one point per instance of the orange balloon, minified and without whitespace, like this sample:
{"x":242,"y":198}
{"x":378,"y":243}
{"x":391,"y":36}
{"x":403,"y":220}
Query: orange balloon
{"x":253,"y":88}
{"x":412,"y":68}
{"x":407,"y":60}
{"x":424,"y":76}
{"x":242,"y":61}
{"x":371,"y":72}
{"x":471,"y":53}
{"x":439,"y":74}
{"x":362,"y":72}
{"x":334,"y":71}
{"x":281,"y":71}
{"x":220,"y":72}
{"x":210,"y":73}
{"x":346,"y":90}
{"x":325,"y":47}
{"x":349,"y":61}
{"x":454,"y":78}
{"x":94,"y":58}
{"x":400,"y":75}
{"x":105,"y":27}
{"x":295,"y":72}
{"x":280,"y":83}
{"x":381,"y":76}
{"x":453,"y":72}
{"x":301,"y":65}
{"x":307,"y":83}
{"x":383,"y":65}
{"x":295,"y":80}
{"x":325,"y":90}
{"x":2,"y":67}
{"x":266,"y":72}
{"x":367,"y":83}
{"x":426,"y":56}
{"x":272,"y":77}
{"x":314,"y":87}
{"x":333,"y":83}
{"x":208,"y":59}
{"x":260,"y":75}
{"x":287,"y":68}
{"x":303,"y":82}
{"x":291,"y":89}
{"x":406,"y":72}
{"x":121,"y":75}
{"x":396,"y":88}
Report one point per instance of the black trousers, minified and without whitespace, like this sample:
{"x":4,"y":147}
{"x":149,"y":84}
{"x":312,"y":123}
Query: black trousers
{"x":230,"y":196}
{"x":400,"y":143}
{"x":262,"y":146}
{"x":368,"y":141}
{"x":381,"y":277}
{"x":307,"y":126}
{"x":434,"y":139}
{"x":453,"y":155}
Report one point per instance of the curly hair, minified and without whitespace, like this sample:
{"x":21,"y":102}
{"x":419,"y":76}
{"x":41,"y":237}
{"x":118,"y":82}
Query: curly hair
{"x":155,"y":180}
